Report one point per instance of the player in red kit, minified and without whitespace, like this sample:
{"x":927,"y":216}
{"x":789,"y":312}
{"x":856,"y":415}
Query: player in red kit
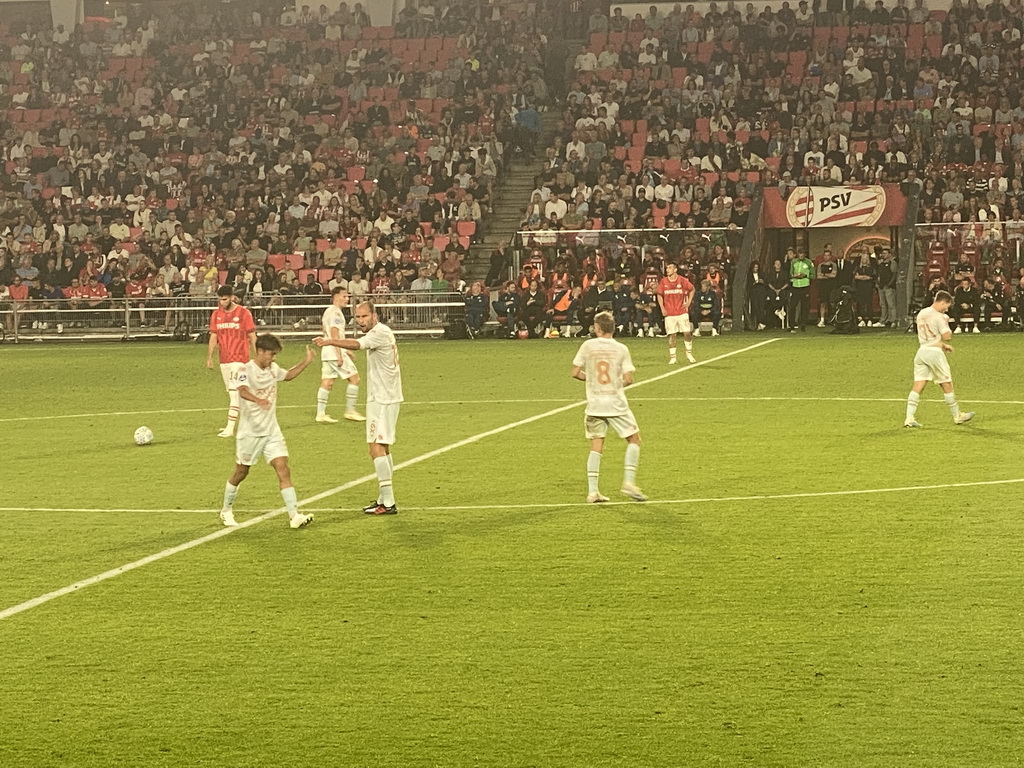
{"x":233,"y":331}
{"x":675,"y":293}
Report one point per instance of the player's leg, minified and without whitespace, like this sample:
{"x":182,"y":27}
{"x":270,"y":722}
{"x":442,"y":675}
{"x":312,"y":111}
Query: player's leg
{"x":380,"y":435}
{"x":229,"y":372}
{"x":284,"y":478}
{"x":913,"y":399}
{"x":351,"y":396}
{"x":670,"y":329}
{"x":626,"y":428}
{"x":247,"y":452}
{"x":959,"y":417}
{"x":328,"y":374}
{"x":688,"y":339}
{"x":595,"y":428}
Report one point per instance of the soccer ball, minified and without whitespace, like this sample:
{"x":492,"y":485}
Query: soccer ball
{"x":143,"y":436}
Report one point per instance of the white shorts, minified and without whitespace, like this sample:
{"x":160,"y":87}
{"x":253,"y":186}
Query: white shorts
{"x":677,"y":324}
{"x":345,"y":368}
{"x":597,"y":426}
{"x":381,"y":422}
{"x":229,"y":372}
{"x":930,"y":364}
{"x":249,"y":449}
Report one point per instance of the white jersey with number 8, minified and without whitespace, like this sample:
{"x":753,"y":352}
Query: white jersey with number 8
{"x":605,"y":362}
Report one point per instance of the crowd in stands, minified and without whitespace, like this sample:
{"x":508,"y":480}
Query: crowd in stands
{"x":182,"y":145}
{"x":674,"y":119}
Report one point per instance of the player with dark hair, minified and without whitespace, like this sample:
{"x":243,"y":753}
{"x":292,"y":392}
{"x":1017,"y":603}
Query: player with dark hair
{"x":258,"y":431}
{"x":232,"y":334}
{"x":337,"y":364}
{"x":930,"y":363}
{"x":675,"y":293}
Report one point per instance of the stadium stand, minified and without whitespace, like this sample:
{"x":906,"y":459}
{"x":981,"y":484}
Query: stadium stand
{"x":208,"y":143}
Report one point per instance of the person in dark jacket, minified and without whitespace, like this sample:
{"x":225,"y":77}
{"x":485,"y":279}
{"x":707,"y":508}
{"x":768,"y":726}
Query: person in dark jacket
{"x":506,"y":307}
{"x":476,"y":310}
{"x":706,"y":307}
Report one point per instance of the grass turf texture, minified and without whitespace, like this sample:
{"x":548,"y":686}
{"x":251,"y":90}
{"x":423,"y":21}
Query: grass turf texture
{"x":865,"y":630}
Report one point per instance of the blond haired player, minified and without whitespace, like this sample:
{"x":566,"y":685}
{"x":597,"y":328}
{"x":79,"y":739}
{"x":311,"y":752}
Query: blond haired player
{"x":930,"y":363}
{"x":606,"y":367}
{"x":337,"y":363}
{"x":383,"y":398}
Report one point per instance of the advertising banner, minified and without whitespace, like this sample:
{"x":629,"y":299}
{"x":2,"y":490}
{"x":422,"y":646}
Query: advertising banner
{"x":855,"y":206}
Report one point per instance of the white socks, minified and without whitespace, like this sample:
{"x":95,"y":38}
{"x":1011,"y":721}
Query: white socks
{"x":230,"y":494}
{"x":382,"y":466}
{"x":688,"y":345}
{"x":593,"y":471}
{"x":351,"y":393}
{"x":321,"y":401}
{"x":291,"y":501}
{"x":233,"y":401}
{"x":912,"y":400}
{"x":954,"y":406}
{"x":632,"y":462}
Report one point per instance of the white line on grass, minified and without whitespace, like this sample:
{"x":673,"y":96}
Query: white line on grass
{"x":566,"y":504}
{"x":538,"y":400}
{"x":37,"y":601}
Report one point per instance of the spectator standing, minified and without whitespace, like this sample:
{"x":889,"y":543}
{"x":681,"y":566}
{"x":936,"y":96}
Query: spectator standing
{"x":800,"y":271}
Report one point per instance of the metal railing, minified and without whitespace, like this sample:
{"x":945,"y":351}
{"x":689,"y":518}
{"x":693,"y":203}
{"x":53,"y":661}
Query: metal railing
{"x":410,"y":313}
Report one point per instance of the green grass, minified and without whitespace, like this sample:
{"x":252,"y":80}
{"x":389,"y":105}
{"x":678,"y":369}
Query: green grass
{"x":849,"y":630}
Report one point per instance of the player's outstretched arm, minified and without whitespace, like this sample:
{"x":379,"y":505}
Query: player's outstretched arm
{"x":578,"y":373}
{"x":210,"y":349}
{"x":295,"y":370}
{"x":320,"y":341}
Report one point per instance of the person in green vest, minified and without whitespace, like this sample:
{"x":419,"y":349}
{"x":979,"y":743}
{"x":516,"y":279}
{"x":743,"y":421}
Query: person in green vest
{"x":801,"y":269}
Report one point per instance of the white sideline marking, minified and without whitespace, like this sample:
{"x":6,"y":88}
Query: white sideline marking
{"x":37,"y":601}
{"x":567,"y":504}
{"x":546,"y":400}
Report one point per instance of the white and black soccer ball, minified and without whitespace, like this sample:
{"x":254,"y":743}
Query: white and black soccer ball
{"x":143,"y":436}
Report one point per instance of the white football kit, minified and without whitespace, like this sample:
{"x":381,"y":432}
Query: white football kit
{"x":258,"y":431}
{"x":930,"y":363}
{"x":384,"y":384}
{"x":605,"y":361}
{"x":335,"y":363}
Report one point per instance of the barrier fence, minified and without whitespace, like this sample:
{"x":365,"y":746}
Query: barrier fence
{"x":185,"y":317}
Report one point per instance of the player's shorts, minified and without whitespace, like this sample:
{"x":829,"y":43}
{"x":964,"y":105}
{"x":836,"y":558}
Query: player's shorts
{"x":345,"y":368}
{"x":381,"y":422}
{"x":597,"y":426}
{"x":930,"y":364}
{"x":249,"y":449}
{"x":229,"y":372}
{"x":677,"y":324}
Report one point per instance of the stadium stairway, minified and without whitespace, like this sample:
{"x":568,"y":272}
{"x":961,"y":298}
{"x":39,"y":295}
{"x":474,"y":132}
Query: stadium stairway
{"x":511,"y":195}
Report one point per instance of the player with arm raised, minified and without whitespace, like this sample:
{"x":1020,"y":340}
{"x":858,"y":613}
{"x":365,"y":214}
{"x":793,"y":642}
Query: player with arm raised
{"x":232,"y":334}
{"x":930,"y":363}
{"x":607,"y":368}
{"x":258,"y":431}
{"x":383,"y":398}
{"x":337,"y":363}
{"x":675,"y":293}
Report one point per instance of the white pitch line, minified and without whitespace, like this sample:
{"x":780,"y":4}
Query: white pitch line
{"x":100,"y":577}
{"x":538,"y":400}
{"x":572,"y":504}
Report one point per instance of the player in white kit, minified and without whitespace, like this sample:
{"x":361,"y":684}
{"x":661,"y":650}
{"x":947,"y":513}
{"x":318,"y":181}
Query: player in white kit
{"x":383,"y":398}
{"x":337,"y":363}
{"x":930,"y":363}
{"x":258,"y":431}
{"x":606,"y":367}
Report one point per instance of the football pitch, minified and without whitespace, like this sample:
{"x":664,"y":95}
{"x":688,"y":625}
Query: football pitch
{"x":809,"y":585}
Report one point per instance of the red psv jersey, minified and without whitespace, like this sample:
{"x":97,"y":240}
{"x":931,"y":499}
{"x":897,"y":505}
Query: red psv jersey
{"x":232,"y":328}
{"x":673,"y":293}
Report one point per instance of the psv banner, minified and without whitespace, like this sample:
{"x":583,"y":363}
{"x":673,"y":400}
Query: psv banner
{"x":835,"y":206}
